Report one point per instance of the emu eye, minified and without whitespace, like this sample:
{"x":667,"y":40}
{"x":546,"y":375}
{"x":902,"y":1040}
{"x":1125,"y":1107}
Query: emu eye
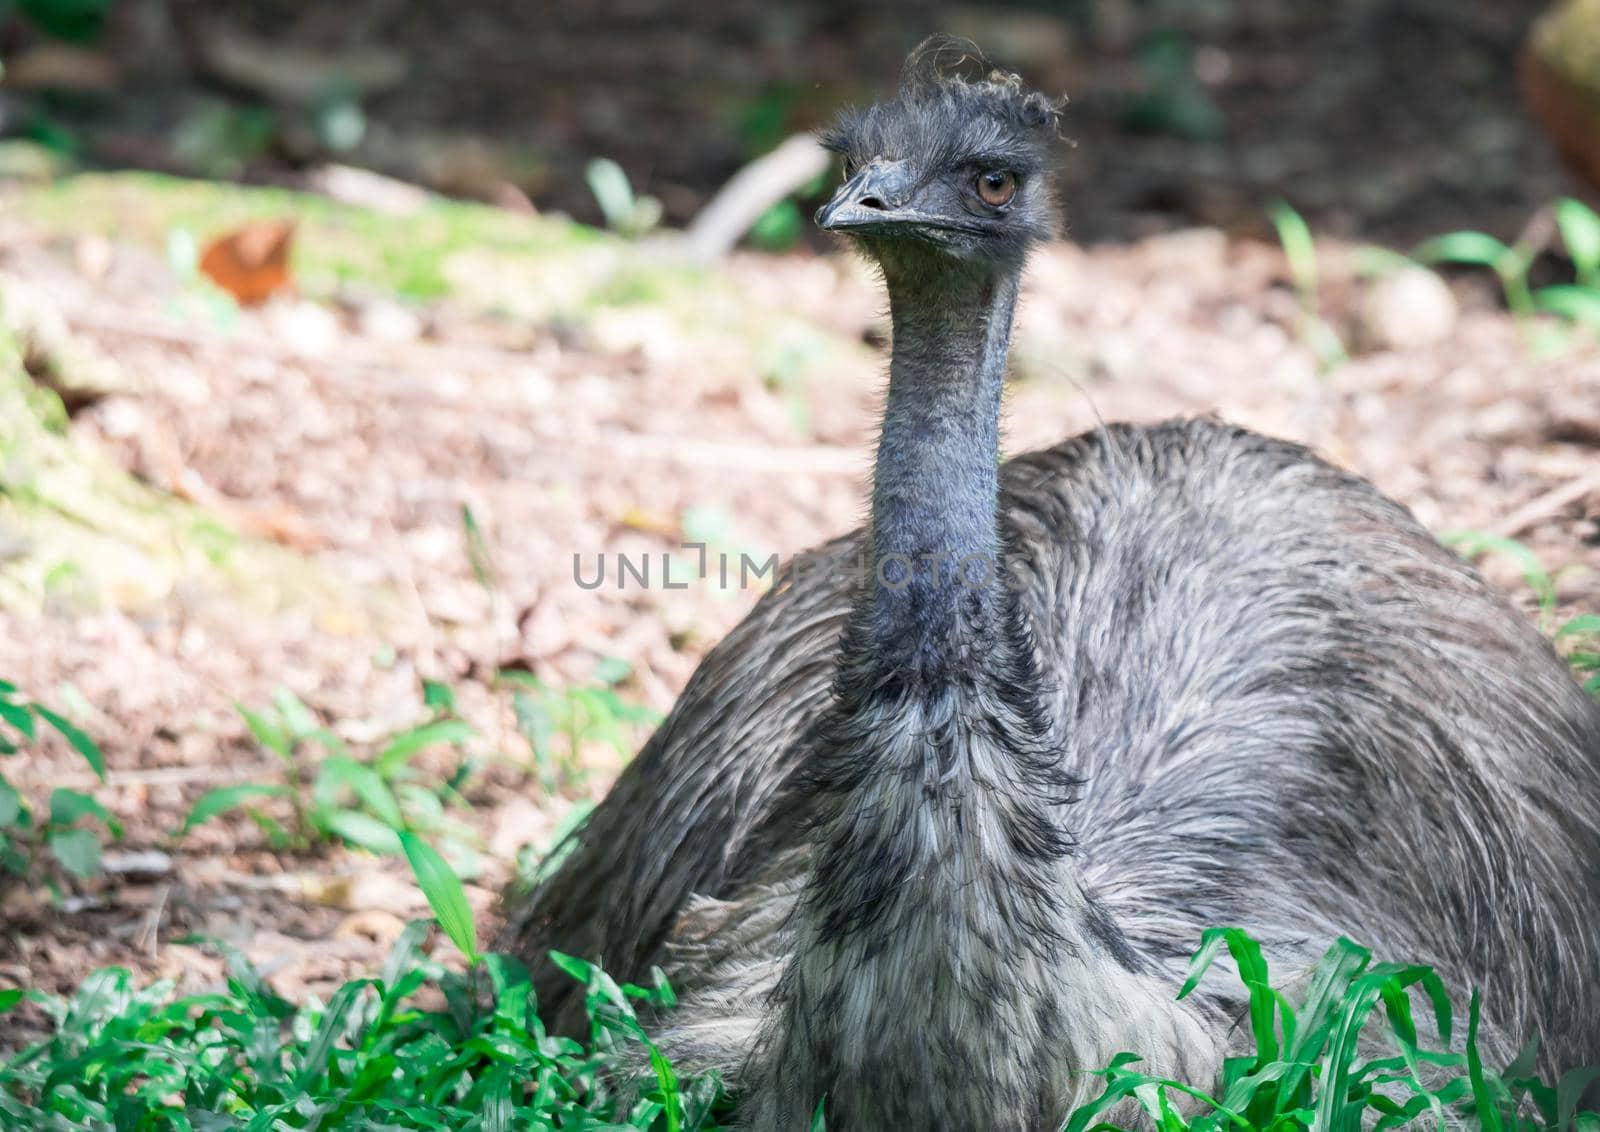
{"x":997,"y":187}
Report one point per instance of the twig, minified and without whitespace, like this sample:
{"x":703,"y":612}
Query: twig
{"x":1543,"y":506}
{"x":156,"y":776}
{"x":150,"y":933}
{"x":749,"y":193}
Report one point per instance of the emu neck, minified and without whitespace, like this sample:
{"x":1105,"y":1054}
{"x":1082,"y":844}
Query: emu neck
{"x":942,"y":918}
{"x":935,"y":544}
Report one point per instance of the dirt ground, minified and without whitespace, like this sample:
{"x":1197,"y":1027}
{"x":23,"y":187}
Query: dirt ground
{"x":350,"y":430}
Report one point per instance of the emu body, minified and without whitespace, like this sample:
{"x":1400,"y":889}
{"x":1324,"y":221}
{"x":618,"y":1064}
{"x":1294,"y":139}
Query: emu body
{"x":932,"y":849}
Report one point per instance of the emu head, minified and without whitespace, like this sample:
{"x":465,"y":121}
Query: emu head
{"x":953,"y":169}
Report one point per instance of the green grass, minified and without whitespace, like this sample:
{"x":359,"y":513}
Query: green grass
{"x":422,"y":1046}
{"x":1576,"y":303}
{"x":332,"y":794}
{"x":1301,"y":251}
{"x":418,"y":1046}
{"x":335,"y":244}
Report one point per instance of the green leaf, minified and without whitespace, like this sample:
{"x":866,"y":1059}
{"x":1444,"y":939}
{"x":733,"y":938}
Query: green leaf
{"x":225,"y":798}
{"x":12,"y":858}
{"x":78,"y":20}
{"x":365,"y":831}
{"x":1584,"y":625}
{"x":1374,"y":261}
{"x":1576,"y":304}
{"x":79,"y":741}
{"x":1570,"y":1090}
{"x":365,"y":782}
{"x":580,"y":969}
{"x":78,"y":850}
{"x":267,"y":732}
{"x":67,"y":806}
{"x":1580,"y":231}
{"x":10,"y":804}
{"x":667,"y":1082}
{"x":478,"y":555}
{"x":779,"y":228}
{"x":1472,"y":248}
{"x":1488,"y":1111}
{"x":611,"y":190}
{"x":612,"y":670}
{"x":1298,"y":246}
{"x":438,"y":696}
{"x":818,"y":1124}
{"x":445,"y":894}
{"x":1474,"y":544}
{"x":18,"y":716}
{"x":498,"y":1113}
{"x":10,"y":997}
{"x":301,"y":721}
{"x":314,"y":1062}
{"x":407,"y":743}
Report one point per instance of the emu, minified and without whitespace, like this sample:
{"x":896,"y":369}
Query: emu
{"x":931,"y":841}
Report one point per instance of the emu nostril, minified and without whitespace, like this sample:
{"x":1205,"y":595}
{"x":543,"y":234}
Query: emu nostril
{"x":872,"y":202}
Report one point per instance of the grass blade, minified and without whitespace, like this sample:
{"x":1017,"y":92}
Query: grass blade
{"x":79,"y":741}
{"x":224,"y":798}
{"x":445,"y":895}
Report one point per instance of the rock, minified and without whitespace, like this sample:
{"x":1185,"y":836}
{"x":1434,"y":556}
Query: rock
{"x":1410,"y":309}
{"x":362,"y":187}
{"x":94,"y":255}
{"x":304,"y":326}
{"x":133,"y":864}
{"x":389,"y":321}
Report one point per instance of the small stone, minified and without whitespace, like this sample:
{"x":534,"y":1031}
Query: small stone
{"x":94,"y":255}
{"x":389,"y":322}
{"x":1409,"y":310}
{"x":303,"y":326}
{"x":136,"y":863}
{"x":366,"y":189}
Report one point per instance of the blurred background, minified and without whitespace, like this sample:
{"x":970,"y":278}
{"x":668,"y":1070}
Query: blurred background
{"x":1378,"y":116}
{"x":334,"y":338}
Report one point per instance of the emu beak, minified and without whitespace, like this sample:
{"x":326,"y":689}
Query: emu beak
{"x":874,"y":197}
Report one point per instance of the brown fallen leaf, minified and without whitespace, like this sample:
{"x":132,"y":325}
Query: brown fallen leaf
{"x":251,"y":263}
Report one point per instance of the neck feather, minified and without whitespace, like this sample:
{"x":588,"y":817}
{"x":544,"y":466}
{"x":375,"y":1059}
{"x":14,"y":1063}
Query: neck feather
{"x":928,"y":983}
{"x":935,"y":544}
